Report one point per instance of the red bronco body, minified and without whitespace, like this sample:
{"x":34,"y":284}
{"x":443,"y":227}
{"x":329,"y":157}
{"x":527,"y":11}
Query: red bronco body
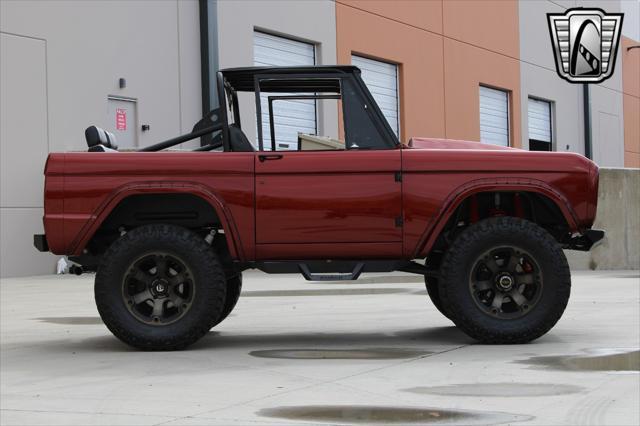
{"x":483,"y":223}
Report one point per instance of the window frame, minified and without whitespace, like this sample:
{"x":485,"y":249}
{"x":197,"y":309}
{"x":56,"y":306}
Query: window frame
{"x":551,"y":103}
{"x":271,"y":99}
{"x":397,"y":78}
{"x":507,"y":92}
{"x":388,"y":138}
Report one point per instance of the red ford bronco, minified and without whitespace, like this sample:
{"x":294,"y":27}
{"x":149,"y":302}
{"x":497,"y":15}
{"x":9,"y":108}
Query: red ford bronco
{"x":170,"y":232}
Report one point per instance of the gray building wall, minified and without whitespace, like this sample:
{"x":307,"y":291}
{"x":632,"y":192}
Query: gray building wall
{"x":607,"y":119}
{"x":312,"y":21}
{"x":538,"y":78}
{"x":631,"y":10}
{"x":60,"y":60}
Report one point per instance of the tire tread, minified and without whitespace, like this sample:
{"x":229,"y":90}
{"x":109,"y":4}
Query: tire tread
{"x":470,"y":322}
{"x":213,"y":288}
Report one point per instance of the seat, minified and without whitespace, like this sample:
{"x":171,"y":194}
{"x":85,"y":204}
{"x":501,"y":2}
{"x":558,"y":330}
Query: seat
{"x":238,"y":141}
{"x":99,"y":140}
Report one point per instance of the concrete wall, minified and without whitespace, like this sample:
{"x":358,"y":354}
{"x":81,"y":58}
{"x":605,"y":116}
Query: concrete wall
{"x":60,"y":60}
{"x":312,"y":21}
{"x":619,"y":215}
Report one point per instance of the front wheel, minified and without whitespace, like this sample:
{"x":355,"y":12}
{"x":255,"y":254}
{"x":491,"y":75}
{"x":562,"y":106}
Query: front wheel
{"x":505,"y":280}
{"x":434,"y":294}
{"x":160,"y":287}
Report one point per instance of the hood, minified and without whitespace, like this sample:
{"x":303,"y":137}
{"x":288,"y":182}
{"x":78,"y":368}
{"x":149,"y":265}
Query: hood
{"x":429,"y":143}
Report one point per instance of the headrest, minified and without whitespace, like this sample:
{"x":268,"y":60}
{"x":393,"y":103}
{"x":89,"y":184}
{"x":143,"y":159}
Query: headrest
{"x":97,"y":136}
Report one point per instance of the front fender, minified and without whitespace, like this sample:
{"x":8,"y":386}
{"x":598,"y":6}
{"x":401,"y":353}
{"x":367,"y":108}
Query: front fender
{"x":453,"y":201}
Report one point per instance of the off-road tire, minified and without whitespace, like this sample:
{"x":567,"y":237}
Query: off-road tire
{"x":454,"y":288}
{"x":208,"y":279}
{"x":433,"y":291}
{"x":234,"y":287}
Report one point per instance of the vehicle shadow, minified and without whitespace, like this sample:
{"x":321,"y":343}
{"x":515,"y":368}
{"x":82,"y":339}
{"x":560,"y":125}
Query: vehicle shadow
{"x":220,"y":340}
{"x":429,"y":336}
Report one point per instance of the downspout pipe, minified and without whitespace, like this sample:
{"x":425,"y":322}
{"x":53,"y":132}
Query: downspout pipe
{"x":586,"y":103}
{"x":208,"y":12}
{"x":204,"y":62}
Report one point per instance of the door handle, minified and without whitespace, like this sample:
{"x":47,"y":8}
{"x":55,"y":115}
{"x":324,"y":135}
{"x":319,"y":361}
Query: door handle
{"x":266,"y":157}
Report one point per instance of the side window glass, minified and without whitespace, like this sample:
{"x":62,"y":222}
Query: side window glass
{"x":361,"y":130}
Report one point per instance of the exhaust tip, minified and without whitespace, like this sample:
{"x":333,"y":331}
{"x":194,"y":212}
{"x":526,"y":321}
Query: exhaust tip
{"x":75,"y":269}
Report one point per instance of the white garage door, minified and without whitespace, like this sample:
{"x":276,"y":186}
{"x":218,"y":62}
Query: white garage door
{"x":494,"y":116}
{"x":539,"y":117}
{"x":382,"y":80}
{"x":290,"y":117}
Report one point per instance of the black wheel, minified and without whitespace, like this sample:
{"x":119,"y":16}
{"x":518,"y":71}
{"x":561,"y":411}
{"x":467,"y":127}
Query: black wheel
{"x":434,"y":294}
{"x":505,"y":280}
{"x":160,"y":287}
{"x":234,"y":287}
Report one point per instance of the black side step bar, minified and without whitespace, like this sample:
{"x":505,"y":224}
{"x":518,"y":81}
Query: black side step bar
{"x":334,"y":270}
{"x":340,"y":276}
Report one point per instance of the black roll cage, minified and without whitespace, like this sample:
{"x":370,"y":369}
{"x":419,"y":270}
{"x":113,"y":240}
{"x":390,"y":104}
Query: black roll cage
{"x":216,"y":122}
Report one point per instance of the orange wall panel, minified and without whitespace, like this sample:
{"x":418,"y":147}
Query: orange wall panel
{"x":630,"y":67}
{"x":631,"y":108}
{"x":631,"y":102}
{"x":492,"y":24}
{"x":422,"y":14}
{"x":418,"y":54}
{"x":631,"y":159}
{"x":466,"y":68}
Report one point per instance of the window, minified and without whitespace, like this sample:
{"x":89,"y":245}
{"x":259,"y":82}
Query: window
{"x":494,"y":116}
{"x":364,"y":126}
{"x":539,"y":117}
{"x":296,"y":137}
{"x":290,"y":116}
{"x":382,"y":80}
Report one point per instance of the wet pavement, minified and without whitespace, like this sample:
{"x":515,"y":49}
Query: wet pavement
{"x":388,"y":415}
{"x":370,"y":352}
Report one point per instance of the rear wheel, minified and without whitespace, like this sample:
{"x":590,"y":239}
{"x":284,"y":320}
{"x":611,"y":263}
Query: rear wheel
{"x":160,"y":287}
{"x":505,"y":280}
{"x":234,"y":287}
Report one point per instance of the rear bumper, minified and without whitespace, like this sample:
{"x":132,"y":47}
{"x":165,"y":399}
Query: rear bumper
{"x":587,"y":240}
{"x":40,"y":242}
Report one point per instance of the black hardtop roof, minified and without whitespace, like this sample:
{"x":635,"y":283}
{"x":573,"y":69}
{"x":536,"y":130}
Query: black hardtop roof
{"x":242,"y":79}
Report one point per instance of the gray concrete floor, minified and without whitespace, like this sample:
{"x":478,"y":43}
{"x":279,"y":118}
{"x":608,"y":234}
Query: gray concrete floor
{"x":375,"y":351}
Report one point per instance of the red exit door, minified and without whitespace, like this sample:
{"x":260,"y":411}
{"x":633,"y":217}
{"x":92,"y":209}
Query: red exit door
{"x":349,"y":199}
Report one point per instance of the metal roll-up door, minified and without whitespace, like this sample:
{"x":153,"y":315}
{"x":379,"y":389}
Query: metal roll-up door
{"x":290,"y":117}
{"x":494,"y":116}
{"x":382,"y":80}
{"x":539,"y":118}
